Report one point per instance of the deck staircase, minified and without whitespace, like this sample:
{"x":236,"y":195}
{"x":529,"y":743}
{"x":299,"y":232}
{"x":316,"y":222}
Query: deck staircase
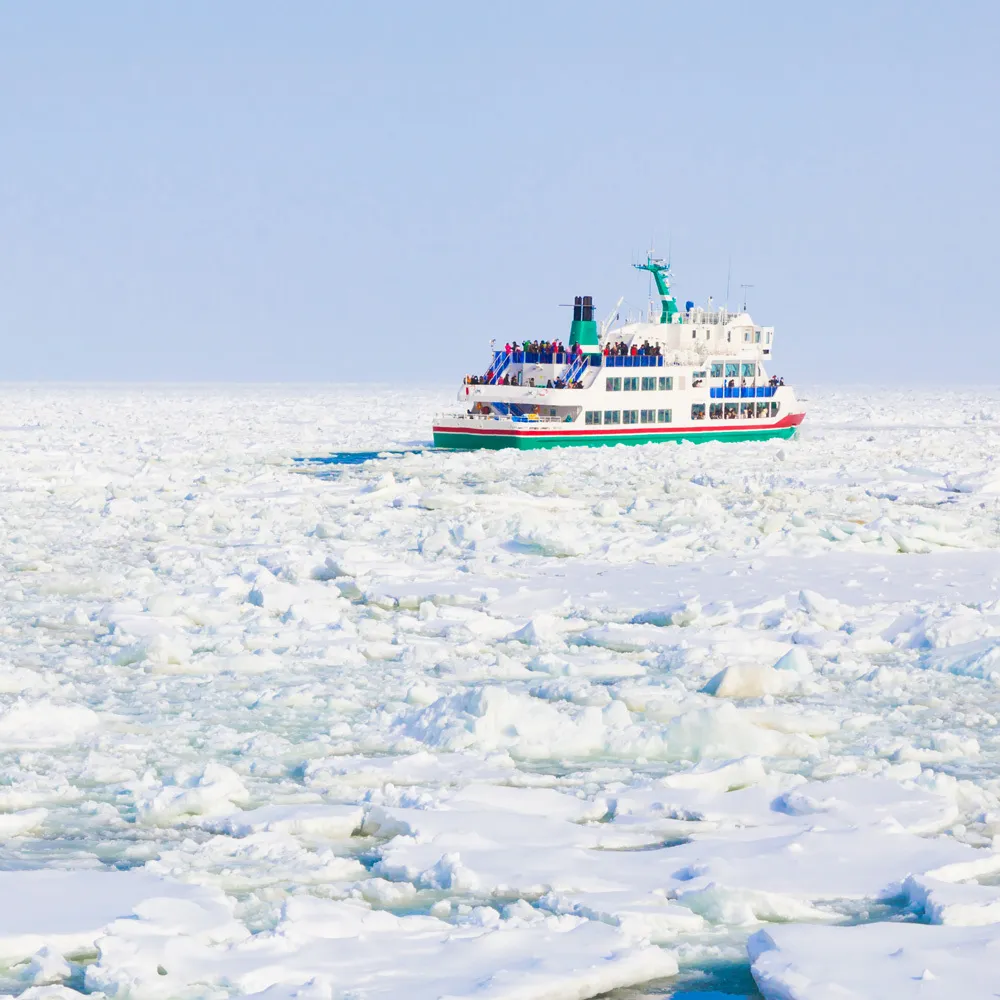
{"x":501,"y":362}
{"x":576,"y":369}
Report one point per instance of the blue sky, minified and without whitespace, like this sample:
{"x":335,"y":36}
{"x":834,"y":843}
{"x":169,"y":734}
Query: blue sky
{"x":323,"y":191}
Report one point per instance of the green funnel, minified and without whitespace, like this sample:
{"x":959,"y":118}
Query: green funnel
{"x":583,"y":329}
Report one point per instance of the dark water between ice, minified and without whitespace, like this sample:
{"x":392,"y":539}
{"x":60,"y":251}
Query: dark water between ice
{"x":343,"y":458}
{"x":325,"y":465}
{"x":717,"y":981}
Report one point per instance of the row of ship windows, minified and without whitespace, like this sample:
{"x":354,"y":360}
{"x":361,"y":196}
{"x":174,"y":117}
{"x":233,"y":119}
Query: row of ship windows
{"x":748,"y":337}
{"x":730,"y":369}
{"x":716,"y":411}
{"x":632,"y":384}
{"x":628,"y":417}
{"x":732,"y":411}
{"x":719,"y":369}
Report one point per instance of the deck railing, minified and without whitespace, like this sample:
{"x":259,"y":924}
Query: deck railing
{"x":633,"y":361}
{"x":743,"y":392}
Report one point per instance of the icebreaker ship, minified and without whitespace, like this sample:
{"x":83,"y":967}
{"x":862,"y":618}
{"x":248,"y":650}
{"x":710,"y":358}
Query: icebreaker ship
{"x":697,"y":374}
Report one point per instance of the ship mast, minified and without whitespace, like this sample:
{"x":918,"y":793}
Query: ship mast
{"x":660,"y":270}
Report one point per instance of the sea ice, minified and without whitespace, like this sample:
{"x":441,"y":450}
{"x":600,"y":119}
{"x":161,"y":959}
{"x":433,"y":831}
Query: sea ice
{"x":65,"y":912}
{"x":876,"y":961}
{"x":492,"y":711}
{"x":345,"y":949}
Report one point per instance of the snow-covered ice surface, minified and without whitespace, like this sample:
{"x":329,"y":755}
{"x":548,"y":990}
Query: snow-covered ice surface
{"x":495,"y":725}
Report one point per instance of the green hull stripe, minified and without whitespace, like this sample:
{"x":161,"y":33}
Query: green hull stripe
{"x":450,"y":439}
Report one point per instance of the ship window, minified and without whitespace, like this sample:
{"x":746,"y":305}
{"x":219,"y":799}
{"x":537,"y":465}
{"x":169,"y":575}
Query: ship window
{"x":698,"y":374}
{"x":746,"y":336}
{"x":632,"y":384}
{"x":648,"y":382}
{"x":756,"y":336}
{"x":663,"y":416}
{"x":731,"y":411}
{"x":593,"y":416}
{"x":666,"y":383}
{"x":716,"y":369}
{"x":732,"y":369}
{"x":729,"y":336}
{"x":708,"y":334}
{"x":769,"y":337}
{"x":774,"y":409}
{"x":694,"y":333}
{"x":748,"y":370}
{"x":648,"y":416}
{"x":613,"y":384}
{"x":612,"y":416}
{"x":746,"y":410}
{"x":697,"y":411}
{"x":763,"y":409}
{"x":715,"y":411}
{"x":630,"y":416}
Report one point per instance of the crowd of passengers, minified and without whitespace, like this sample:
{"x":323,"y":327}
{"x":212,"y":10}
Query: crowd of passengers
{"x":517,"y":379}
{"x":555,"y":347}
{"x":623,"y":350}
{"x":542,"y":347}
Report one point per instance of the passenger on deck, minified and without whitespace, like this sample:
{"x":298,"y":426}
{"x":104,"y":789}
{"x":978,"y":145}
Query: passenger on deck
{"x":506,"y":348}
{"x":549,"y":385}
{"x":731,"y":384}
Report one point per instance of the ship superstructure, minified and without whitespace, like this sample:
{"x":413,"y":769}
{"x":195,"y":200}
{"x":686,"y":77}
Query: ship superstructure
{"x":697,"y":374}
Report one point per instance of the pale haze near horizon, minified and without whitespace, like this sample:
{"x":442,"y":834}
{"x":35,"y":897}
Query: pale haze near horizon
{"x":239,"y":191}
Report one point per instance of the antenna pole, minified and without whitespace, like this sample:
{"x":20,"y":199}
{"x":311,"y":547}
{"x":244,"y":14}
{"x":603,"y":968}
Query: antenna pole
{"x":649,"y":281}
{"x":745,"y":287}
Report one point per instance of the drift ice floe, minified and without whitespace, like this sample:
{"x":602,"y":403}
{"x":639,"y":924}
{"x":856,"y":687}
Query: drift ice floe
{"x":693,"y":376}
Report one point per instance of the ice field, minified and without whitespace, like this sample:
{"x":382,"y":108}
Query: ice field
{"x":670,"y":720}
